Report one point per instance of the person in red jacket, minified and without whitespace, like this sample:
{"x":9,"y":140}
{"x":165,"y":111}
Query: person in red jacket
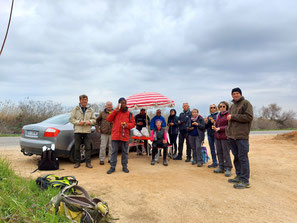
{"x":123,"y":121}
{"x":222,"y":144}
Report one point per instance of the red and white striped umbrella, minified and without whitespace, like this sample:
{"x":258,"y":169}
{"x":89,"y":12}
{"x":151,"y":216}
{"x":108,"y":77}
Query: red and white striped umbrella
{"x":148,"y":100}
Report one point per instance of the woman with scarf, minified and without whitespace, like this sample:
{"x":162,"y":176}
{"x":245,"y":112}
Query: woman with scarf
{"x":173,"y":129}
{"x":222,"y":145}
{"x":196,"y":137}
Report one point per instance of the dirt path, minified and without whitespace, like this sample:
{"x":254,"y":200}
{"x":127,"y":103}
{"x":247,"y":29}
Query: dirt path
{"x":185,"y":193}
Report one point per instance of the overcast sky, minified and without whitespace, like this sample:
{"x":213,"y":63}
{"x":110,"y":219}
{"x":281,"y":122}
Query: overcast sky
{"x":194,"y":51}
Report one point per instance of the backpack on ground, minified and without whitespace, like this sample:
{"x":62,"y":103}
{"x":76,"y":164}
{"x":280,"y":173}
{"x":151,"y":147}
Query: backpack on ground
{"x":55,"y":181}
{"x":205,"y":156}
{"x":48,"y":159}
{"x":80,"y":208}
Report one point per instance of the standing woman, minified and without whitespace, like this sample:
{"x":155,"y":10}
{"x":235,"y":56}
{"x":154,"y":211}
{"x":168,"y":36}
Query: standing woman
{"x":209,"y":122}
{"x":173,"y":129}
{"x":222,"y":144}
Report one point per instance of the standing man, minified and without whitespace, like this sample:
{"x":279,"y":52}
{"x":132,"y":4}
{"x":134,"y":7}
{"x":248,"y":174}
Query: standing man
{"x":104,"y":127}
{"x":82,"y":117}
{"x":184,"y":123}
{"x":123,"y":121}
{"x":158,"y":116}
{"x":238,"y":129}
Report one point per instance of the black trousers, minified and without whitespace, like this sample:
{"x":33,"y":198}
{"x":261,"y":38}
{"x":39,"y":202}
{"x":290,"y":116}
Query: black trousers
{"x":182,"y":137}
{"x":82,"y":138}
{"x":155,"y":149}
{"x":240,"y":149}
{"x":172,"y":138}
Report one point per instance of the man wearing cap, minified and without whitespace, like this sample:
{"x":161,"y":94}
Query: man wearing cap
{"x":122,"y":121}
{"x":238,"y":129}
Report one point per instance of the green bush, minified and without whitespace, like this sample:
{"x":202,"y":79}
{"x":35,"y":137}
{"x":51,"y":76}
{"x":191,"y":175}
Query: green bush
{"x":22,"y":201}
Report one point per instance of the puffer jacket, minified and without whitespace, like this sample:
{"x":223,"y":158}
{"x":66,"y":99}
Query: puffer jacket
{"x":239,"y":126}
{"x":221,"y":123}
{"x":77,"y":116}
{"x":185,"y":121}
{"x":102,"y":124}
{"x":173,"y":129}
{"x":200,"y":129}
{"x":118,"y":117}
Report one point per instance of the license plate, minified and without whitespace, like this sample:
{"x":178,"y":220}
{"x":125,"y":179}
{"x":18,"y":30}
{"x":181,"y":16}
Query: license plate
{"x":32,"y":133}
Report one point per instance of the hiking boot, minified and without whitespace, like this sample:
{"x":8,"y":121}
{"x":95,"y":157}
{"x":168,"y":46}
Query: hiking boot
{"x":165,"y":163}
{"x":194,"y":162}
{"x":228,"y":173}
{"x":111,"y":170}
{"x":241,"y":185}
{"x":188,"y":160}
{"x":89,"y":165}
{"x":125,"y":169}
{"x":101,"y":162}
{"x":77,"y":165}
{"x":153,"y":162}
{"x":218,"y":170}
{"x":212,"y":166}
{"x":177,"y":158}
{"x":200,"y":164}
{"x":234,"y":180}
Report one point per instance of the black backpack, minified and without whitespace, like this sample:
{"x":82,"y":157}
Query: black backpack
{"x":48,"y":159}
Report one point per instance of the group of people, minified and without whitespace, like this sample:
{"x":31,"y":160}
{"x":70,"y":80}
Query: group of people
{"x":227,"y":129}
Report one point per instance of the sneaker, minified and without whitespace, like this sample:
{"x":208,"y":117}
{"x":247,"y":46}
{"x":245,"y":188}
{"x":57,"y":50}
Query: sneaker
{"x":241,"y":185}
{"x":234,"y":180}
{"x":77,"y":165}
{"x":188,"y":160}
{"x":153,"y":162}
{"x":200,"y":164}
{"x":125,"y":169}
{"x":219,"y":170}
{"x":212,"y":166}
{"x":165,"y":163}
{"x":89,"y":165}
{"x":177,"y":158}
{"x":194,"y":162}
{"x":101,"y":162}
{"x":228,"y":173}
{"x":111,"y":170}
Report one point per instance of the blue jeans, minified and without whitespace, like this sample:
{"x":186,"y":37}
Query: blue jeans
{"x":240,"y":149}
{"x":211,"y":141}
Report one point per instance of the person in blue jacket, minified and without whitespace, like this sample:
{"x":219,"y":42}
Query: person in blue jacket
{"x":210,"y":121}
{"x":157,"y":117}
{"x":172,"y":123}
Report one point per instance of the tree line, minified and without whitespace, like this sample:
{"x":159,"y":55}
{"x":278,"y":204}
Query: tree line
{"x":13,"y":116}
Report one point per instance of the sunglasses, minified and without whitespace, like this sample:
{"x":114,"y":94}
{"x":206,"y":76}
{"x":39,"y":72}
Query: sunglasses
{"x":212,"y":107}
{"x":222,"y":106}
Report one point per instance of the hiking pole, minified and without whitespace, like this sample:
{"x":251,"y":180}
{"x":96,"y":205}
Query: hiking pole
{"x":7,"y":27}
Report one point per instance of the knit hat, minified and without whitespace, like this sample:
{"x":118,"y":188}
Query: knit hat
{"x":236,"y":90}
{"x":122,"y":99}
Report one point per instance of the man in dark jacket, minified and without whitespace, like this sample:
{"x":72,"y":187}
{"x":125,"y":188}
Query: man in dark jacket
{"x":104,"y":127}
{"x":142,"y":120}
{"x":240,"y":119}
{"x":184,"y":123}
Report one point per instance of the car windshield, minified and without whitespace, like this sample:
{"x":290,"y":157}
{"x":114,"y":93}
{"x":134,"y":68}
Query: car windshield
{"x":62,"y":119}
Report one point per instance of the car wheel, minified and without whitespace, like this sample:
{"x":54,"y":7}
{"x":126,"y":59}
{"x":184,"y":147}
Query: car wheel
{"x":82,"y":154}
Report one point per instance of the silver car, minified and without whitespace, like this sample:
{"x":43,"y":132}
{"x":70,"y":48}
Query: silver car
{"x":55,"y":130}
